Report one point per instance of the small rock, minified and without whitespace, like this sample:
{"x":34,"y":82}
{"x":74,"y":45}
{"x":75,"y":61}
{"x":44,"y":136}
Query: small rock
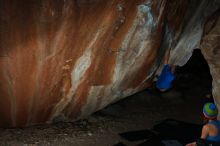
{"x":89,"y":134}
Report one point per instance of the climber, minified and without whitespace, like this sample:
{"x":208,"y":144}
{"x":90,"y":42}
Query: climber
{"x":167,"y":76}
{"x":211,"y":130}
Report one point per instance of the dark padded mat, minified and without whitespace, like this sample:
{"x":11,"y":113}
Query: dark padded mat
{"x":181,"y":131}
{"x":169,"y":129}
{"x":154,"y":141}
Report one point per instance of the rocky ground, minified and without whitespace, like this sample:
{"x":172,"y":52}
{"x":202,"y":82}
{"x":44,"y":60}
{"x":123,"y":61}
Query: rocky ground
{"x":140,"y":111}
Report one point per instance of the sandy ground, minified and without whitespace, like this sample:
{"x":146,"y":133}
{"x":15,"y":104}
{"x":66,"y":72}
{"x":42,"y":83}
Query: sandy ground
{"x":140,"y":111}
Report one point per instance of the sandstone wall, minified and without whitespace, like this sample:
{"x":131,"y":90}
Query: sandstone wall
{"x":65,"y":59}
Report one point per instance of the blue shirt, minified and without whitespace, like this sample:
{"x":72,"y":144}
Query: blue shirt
{"x":217,"y":137}
{"x":166,"y":78}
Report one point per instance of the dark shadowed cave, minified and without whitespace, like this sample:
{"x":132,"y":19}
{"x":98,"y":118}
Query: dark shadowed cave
{"x":137,"y":112}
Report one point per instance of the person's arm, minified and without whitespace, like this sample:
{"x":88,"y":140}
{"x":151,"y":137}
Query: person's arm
{"x":205,"y":132}
{"x":204,"y":135}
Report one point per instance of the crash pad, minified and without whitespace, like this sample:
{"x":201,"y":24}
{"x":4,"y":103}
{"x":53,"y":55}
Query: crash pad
{"x":167,"y":132}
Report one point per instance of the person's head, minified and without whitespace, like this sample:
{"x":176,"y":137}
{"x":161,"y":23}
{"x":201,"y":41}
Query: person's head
{"x":210,"y":111}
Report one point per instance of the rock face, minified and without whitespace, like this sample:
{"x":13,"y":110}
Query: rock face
{"x":65,"y":59}
{"x":210,"y":47}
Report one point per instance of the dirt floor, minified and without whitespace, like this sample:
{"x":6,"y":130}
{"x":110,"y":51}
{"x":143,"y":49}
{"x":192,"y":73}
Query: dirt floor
{"x":140,"y":111}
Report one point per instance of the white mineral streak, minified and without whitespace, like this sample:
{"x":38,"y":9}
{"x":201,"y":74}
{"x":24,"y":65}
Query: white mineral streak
{"x":167,"y":40}
{"x":190,"y":38}
{"x":43,"y":56}
{"x":130,"y":58}
{"x":135,"y":48}
{"x":77,"y":74}
{"x":10,"y":82}
{"x":92,"y":101}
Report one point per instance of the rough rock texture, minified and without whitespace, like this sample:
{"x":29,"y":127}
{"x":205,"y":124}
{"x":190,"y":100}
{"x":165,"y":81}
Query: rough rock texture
{"x":64,"y":59}
{"x":210,"y":47}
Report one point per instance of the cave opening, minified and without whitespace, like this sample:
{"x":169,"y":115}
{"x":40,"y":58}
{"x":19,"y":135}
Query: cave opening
{"x":194,"y":81}
{"x":194,"y":74}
